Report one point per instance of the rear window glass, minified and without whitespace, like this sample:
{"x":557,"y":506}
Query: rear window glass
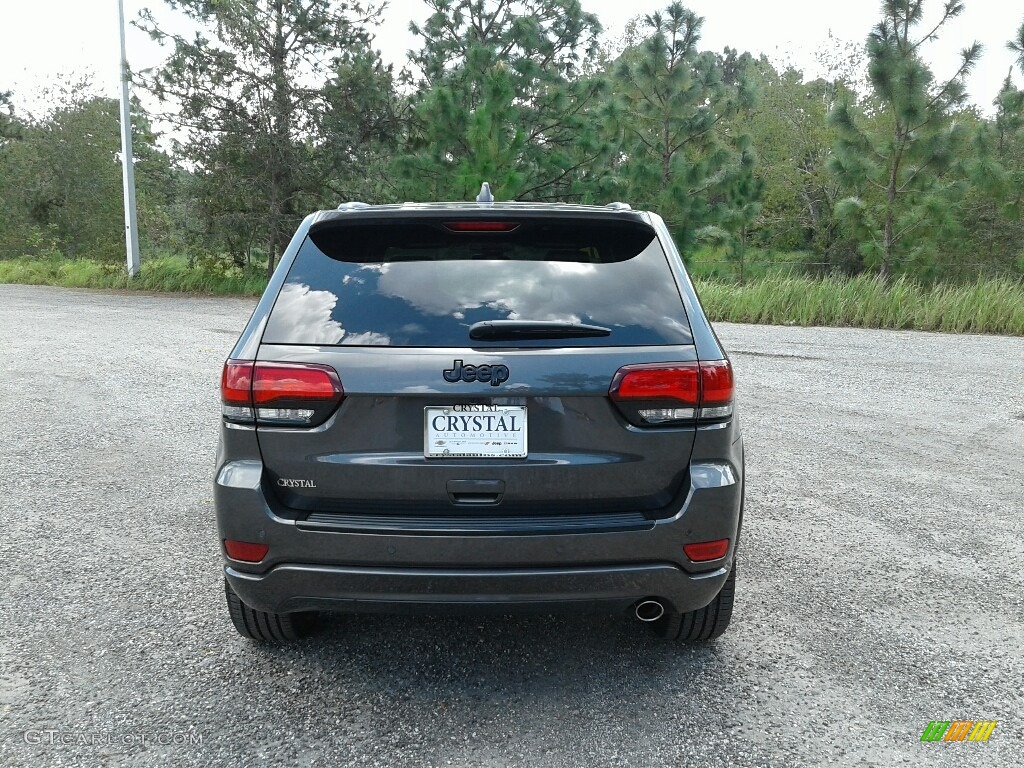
{"x":418,"y":284}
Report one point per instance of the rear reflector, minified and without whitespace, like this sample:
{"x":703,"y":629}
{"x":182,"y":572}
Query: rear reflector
{"x":246,"y":551}
{"x":707,"y":550}
{"x":650,"y":394}
{"x":301,"y":394}
{"x":481,"y":226}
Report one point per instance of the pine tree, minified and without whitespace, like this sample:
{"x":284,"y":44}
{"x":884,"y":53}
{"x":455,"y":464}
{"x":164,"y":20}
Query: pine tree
{"x":674,"y":110}
{"x":503,"y":97}
{"x":1008,"y":180}
{"x":362,"y":127}
{"x":900,"y":166}
{"x":1017,"y":46}
{"x":249,"y":92}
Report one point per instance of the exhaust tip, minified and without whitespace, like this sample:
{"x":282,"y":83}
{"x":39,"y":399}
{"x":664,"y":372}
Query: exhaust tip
{"x":649,"y":610}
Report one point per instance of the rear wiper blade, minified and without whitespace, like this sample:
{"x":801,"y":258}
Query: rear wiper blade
{"x":506,"y":330}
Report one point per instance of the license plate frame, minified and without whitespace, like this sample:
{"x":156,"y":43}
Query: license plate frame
{"x":472,"y":443}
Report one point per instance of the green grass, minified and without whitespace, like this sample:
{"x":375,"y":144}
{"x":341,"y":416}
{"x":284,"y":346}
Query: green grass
{"x":985,"y":306}
{"x":162,"y":273}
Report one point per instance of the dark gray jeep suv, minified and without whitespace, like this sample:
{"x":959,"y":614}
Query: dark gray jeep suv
{"x":479,"y":406}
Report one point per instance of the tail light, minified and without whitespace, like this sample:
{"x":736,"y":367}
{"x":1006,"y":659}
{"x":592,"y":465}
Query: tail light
{"x":279,"y":394}
{"x":674,"y":393}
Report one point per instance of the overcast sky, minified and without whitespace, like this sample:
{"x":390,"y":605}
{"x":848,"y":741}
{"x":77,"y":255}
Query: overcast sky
{"x":40,"y":39}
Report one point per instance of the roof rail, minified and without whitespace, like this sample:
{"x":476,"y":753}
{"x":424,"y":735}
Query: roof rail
{"x":353,"y":206}
{"x":619,"y":206}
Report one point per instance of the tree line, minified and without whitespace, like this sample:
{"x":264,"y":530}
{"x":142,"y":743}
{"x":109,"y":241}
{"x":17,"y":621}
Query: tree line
{"x":281,"y":107}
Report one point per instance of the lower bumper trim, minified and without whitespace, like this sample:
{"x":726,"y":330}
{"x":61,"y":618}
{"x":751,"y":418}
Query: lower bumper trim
{"x":288,"y":588}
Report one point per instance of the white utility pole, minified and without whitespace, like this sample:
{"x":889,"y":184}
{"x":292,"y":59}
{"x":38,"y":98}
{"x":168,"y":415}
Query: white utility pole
{"x":131,"y":233}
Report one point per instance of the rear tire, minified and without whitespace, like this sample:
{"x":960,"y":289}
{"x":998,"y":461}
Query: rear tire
{"x":265,"y":627}
{"x":705,"y":623}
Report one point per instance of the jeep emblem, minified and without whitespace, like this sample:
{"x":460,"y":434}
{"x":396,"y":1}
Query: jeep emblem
{"x":495,"y":374}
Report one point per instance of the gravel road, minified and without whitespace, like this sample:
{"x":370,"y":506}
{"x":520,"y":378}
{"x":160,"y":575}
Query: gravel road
{"x":881,"y":587}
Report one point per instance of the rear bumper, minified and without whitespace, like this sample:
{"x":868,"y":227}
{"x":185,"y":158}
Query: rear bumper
{"x":289,"y":588}
{"x":483,"y":567}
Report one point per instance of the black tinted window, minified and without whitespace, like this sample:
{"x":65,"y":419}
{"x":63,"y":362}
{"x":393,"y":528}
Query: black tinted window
{"x":417,"y":284}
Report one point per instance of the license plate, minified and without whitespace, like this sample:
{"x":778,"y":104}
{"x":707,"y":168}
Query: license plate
{"x":490,"y":431}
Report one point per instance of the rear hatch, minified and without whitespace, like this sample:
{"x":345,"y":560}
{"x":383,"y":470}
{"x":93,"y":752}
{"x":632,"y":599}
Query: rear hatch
{"x":475,"y":353}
